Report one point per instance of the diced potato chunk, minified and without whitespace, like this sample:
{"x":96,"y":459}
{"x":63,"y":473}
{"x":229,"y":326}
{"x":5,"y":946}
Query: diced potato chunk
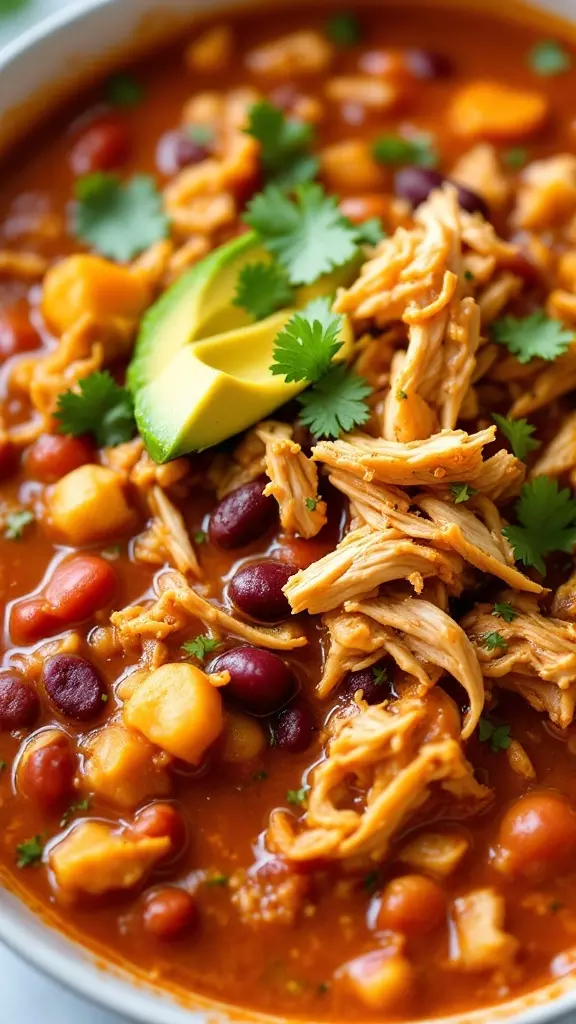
{"x":439,"y":853}
{"x":488,"y":110}
{"x":123,"y":767}
{"x":86,"y":284}
{"x":178,"y":709}
{"x":212,"y":51}
{"x":89,"y":504}
{"x":243,"y":739}
{"x":479,"y":925}
{"x":349,"y":166}
{"x":94,"y":859}
{"x":381,"y":980}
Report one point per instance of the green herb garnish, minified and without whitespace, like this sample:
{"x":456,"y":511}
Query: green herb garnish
{"x":262,"y":288}
{"x":284,"y":145}
{"x":547,"y":522}
{"x":99,"y":407}
{"x":504,"y":610}
{"x":530,"y":337}
{"x":461,"y":492}
{"x":123,"y":90}
{"x":119,"y":219}
{"x":519,"y":433}
{"x":297,"y":796}
{"x":16,"y":523}
{"x":394,"y":150}
{"x":548,"y":58}
{"x":495,"y":642}
{"x":344,"y":29}
{"x":29,"y":852}
{"x":200,"y":646}
{"x":497,"y":735}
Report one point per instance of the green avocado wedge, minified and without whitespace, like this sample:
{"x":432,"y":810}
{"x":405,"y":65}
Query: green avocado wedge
{"x":200,"y":372}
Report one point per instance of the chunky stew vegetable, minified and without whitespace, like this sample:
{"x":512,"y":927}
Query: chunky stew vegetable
{"x":287,"y":513}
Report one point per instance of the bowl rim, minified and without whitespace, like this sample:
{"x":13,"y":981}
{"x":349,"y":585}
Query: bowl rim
{"x":81,"y":969}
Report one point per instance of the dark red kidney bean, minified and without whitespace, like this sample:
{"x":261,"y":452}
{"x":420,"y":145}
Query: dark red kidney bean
{"x":75,"y":687}
{"x":159,"y":820}
{"x":47,"y":775}
{"x":168,"y":912}
{"x":243,"y":515}
{"x":80,"y":586}
{"x":31,"y":621}
{"x":293,"y":728}
{"x":427,"y":64}
{"x":19,"y":704}
{"x":256,"y":590}
{"x":416,"y":183}
{"x":54,"y":455}
{"x":373,"y":691}
{"x":260,"y":682}
{"x":102,"y":147}
{"x":176,"y":150}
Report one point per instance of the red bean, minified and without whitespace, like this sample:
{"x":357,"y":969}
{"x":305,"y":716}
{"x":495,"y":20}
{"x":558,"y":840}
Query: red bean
{"x":243,"y":516}
{"x":373,"y":681}
{"x":9,"y":459}
{"x":17,"y":334}
{"x":19,"y":704}
{"x":102,"y":147}
{"x":160,"y":819}
{"x":416,"y":183}
{"x":536,"y":835}
{"x":428,"y":65}
{"x":54,"y":455}
{"x":75,"y":687}
{"x":256,"y":590}
{"x":294,"y":727}
{"x":412,"y":904}
{"x":168,"y":912}
{"x":79,"y":587}
{"x":47,"y":773}
{"x":177,"y":149}
{"x":31,"y":620}
{"x":260,"y":682}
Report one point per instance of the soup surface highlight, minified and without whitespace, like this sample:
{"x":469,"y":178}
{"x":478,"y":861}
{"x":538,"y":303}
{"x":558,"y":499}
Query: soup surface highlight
{"x":287,"y":458}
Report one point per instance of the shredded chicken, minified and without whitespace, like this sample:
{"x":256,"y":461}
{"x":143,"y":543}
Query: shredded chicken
{"x":178,"y":605}
{"x":560,"y":455}
{"x":399,"y":757}
{"x":482,"y":942}
{"x":294,"y":484}
{"x":433,"y":637}
{"x":363,"y":560}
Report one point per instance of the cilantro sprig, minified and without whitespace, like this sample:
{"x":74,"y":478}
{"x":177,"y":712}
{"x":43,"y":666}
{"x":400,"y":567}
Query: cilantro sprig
{"x":284,"y":145}
{"x":200,"y":646}
{"x":336,"y":403}
{"x":29,"y":852}
{"x":461,"y":492}
{"x":308,"y":235}
{"x":547,"y":522}
{"x":394,"y":150}
{"x":123,"y":90}
{"x":494,"y":641}
{"x":100,"y":407}
{"x":344,"y":29}
{"x":262,"y":288}
{"x":519,"y":433}
{"x":532,"y":336}
{"x":16,"y":523}
{"x":504,"y":610}
{"x":498,"y":736}
{"x":119,"y":219}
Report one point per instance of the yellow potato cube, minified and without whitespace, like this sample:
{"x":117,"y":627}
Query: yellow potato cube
{"x":89,"y":504}
{"x":243,"y":740}
{"x":121,"y":766}
{"x":93,"y":859}
{"x":178,"y":709}
{"x":86,"y":284}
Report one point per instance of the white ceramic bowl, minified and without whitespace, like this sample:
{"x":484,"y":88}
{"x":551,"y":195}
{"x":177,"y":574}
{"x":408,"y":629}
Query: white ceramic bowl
{"x":80,"y":39}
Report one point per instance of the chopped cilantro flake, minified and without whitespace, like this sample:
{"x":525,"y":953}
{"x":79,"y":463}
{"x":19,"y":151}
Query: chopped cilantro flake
{"x":380,"y":675}
{"x":311,"y":503}
{"x":344,"y":29}
{"x":497,"y":735}
{"x":394,"y":150}
{"x":516,"y":157}
{"x":82,"y":805}
{"x":461,"y":492}
{"x":200,"y":646}
{"x":495,"y":642}
{"x":29,"y":852}
{"x":548,"y":58}
{"x":100,"y":407}
{"x":218,"y":880}
{"x":16,"y":523}
{"x":200,"y":537}
{"x":297,"y":796}
{"x":123,"y":90}
{"x":532,"y":336}
{"x":119,"y":219}
{"x":504,"y":610}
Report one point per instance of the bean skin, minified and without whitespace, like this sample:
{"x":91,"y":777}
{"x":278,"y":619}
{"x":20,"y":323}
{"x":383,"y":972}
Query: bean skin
{"x":294,"y":728}
{"x":243,"y":516}
{"x":412,"y":905}
{"x":79,"y":587}
{"x":537,"y":836}
{"x":74,"y":686}
{"x":366,"y":679}
{"x":19,"y":704}
{"x":260,"y":682}
{"x":31,"y":620}
{"x":416,"y":183}
{"x":53,"y":456}
{"x":168,"y":912}
{"x":176,"y":150}
{"x":159,"y":820}
{"x":256,"y":590}
{"x":101,"y":147}
{"x":47,"y":772}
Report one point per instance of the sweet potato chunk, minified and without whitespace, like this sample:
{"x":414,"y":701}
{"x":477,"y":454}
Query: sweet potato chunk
{"x":93,"y":859}
{"x":88,"y":505}
{"x":488,"y":110}
{"x":123,"y":767}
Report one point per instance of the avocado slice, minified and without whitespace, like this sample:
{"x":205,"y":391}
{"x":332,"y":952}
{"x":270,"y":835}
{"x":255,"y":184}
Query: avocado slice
{"x":200,"y":371}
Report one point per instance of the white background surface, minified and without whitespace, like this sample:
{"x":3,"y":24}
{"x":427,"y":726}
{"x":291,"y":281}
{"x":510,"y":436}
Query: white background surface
{"x":26,"y":997}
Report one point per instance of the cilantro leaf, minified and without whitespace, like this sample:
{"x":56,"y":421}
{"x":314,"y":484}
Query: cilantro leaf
{"x":336,"y":403}
{"x":370,"y":232}
{"x":100,"y":407}
{"x":344,"y":29}
{"x":308,"y":235}
{"x":200,"y":537}
{"x":82,"y":805}
{"x":505,"y":611}
{"x":297,"y":796}
{"x":122,"y":90}
{"x":16,"y":522}
{"x":548,"y":58}
{"x":284,"y":145}
{"x":497,"y":735}
{"x":380,"y":675}
{"x":307,"y":344}
{"x":218,"y":879}
{"x":119,"y":220}
{"x":461,"y":492}
{"x":394,"y":150}
{"x":518,"y":432}
{"x":532,"y":336}
{"x":494,"y":642}
{"x":29,"y":852}
{"x":311,"y":503}
{"x":262,"y":288}
{"x":201,"y":645}
{"x":547,"y":519}
{"x":9,"y":6}
{"x":516,"y":157}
